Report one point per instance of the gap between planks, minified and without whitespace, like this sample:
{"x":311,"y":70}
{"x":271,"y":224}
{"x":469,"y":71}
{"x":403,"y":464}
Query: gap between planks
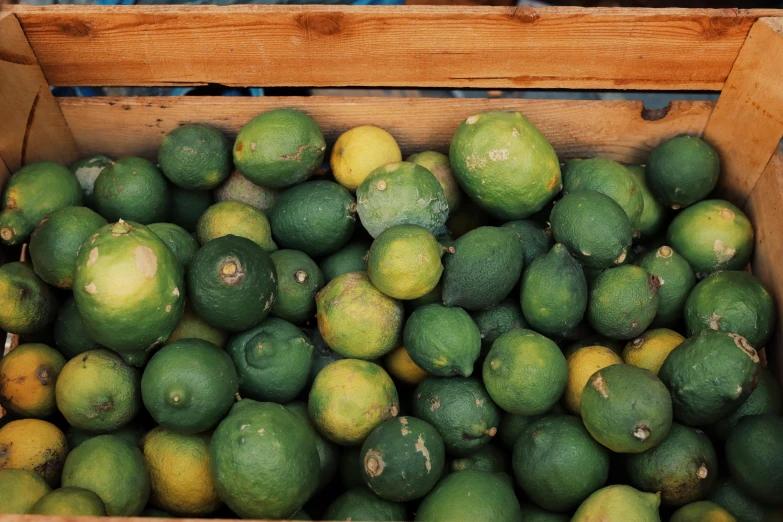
{"x":135,"y":126}
{"x":393,"y":46}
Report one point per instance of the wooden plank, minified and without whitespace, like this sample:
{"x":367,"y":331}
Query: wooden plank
{"x":764,"y":207}
{"x":747,"y":123}
{"x":32,"y":128}
{"x":422,"y":46}
{"x":134,"y":126}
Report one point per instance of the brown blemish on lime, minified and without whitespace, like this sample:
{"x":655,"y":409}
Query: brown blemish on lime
{"x":373,"y":463}
{"x":44,"y":375}
{"x":7,"y":234}
{"x":175,"y":292}
{"x":231,"y":270}
{"x":91,"y":288}
{"x":421,"y":448}
{"x":622,"y":257}
{"x":722,"y":252}
{"x":702,"y":472}
{"x":553,"y":183}
{"x":641,"y":433}
{"x":93,"y":257}
{"x":743,"y":345}
{"x":381,"y":185}
{"x":599,"y":384}
{"x":300,"y":276}
{"x":726,"y":213}
{"x":473,"y":119}
{"x":146,"y":261}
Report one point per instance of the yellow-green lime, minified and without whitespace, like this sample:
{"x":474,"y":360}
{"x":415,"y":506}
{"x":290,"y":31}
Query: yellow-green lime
{"x":404,"y":262}
{"x":191,"y":326}
{"x":356,"y":319}
{"x":440,"y":167}
{"x":179,"y":472}
{"x":97,"y":391}
{"x":113,"y":469}
{"x":505,"y":164}
{"x":70,"y":502}
{"x":702,"y":511}
{"x":349,"y":398}
{"x":238,"y":219}
{"x":583,"y":363}
{"x":525,"y":373}
{"x":20,"y":489}
{"x":619,"y":503}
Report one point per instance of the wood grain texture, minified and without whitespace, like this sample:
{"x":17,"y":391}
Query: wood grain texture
{"x":32,"y":127}
{"x":135,"y":126}
{"x":764,"y":207}
{"x":421,"y":46}
{"x":747,"y":123}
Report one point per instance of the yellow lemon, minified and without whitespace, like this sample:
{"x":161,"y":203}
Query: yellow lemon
{"x":33,"y":445}
{"x":400,"y":365}
{"x":581,"y":365}
{"x":650,"y":349}
{"x":27,"y":378}
{"x":359,"y":151}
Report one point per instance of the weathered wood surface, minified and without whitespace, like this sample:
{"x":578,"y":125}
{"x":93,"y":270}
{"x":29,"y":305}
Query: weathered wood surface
{"x":135,"y":126}
{"x":32,"y":127}
{"x":422,"y":46}
{"x":747,"y":123}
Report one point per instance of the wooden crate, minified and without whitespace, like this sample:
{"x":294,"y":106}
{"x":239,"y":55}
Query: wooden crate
{"x":736,"y":52}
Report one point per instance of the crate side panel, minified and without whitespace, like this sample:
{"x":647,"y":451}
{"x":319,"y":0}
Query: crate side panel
{"x":32,"y":127}
{"x":135,"y":126}
{"x":437,"y":46}
{"x":765,"y":210}
{"x":747,"y":123}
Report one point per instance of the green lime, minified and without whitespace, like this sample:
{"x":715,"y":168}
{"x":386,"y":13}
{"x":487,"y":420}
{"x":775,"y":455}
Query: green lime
{"x":273,"y":361}
{"x":525,"y":373}
{"x":317,"y":217}
{"x":56,"y":241}
{"x":626,"y":408}
{"x":189,"y":385}
{"x":114,"y":470}
{"x":195,"y":157}
{"x":443,"y":341}
{"x":504,"y":163}
{"x":279,"y":148}
{"x":298,"y":281}
{"x":128,"y":287}
{"x":132,"y":189}
{"x":263,"y":460}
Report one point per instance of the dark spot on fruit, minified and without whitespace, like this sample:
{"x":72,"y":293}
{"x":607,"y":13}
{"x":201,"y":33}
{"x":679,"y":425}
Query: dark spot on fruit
{"x":239,"y":146}
{"x":103,"y":407}
{"x":44,"y":375}
{"x":51,"y":466}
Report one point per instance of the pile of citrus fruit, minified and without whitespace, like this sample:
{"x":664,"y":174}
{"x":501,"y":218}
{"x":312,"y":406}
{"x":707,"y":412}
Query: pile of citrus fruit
{"x":485,"y":336}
